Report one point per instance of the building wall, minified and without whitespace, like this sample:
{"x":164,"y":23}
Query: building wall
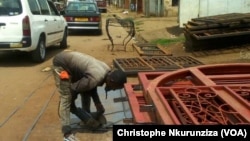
{"x":153,"y":8}
{"x":158,"y":8}
{"x":171,"y":8}
{"x":203,"y":8}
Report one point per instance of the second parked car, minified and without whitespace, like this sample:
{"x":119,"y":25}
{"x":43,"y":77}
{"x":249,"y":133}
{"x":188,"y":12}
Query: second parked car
{"x":82,"y":15}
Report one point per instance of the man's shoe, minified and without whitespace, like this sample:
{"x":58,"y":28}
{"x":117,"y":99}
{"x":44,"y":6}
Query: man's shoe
{"x":93,"y":124}
{"x":70,"y":137}
{"x":99,"y":117}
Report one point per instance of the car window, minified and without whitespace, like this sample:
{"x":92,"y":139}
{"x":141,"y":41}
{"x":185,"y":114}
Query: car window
{"x":81,"y":6}
{"x":53,"y":8}
{"x":34,"y":8}
{"x":10,"y":7}
{"x":44,"y":7}
{"x":72,"y":6}
{"x":91,"y":7}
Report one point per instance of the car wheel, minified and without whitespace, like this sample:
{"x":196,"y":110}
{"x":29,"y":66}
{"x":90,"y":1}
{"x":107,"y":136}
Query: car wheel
{"x":38,"y":55}
{"x":64,"y":43}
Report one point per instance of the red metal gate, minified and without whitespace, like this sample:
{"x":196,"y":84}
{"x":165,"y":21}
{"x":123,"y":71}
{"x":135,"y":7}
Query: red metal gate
{"x":204,"y":95}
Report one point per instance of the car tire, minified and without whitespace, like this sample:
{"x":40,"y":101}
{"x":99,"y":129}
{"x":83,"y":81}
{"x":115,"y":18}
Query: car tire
{"x":64,"y":43}
{"x":38,"y":55}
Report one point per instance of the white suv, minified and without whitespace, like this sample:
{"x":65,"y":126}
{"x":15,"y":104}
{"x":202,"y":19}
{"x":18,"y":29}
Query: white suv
{"x":31,"y":26}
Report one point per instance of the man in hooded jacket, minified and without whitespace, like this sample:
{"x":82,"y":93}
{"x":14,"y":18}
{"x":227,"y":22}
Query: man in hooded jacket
{"x":78,"y":73}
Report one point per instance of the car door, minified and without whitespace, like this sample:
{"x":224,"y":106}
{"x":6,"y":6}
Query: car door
{"x":58,"y":22}
{"x":48,"y":21}
{"x":10,"y":23}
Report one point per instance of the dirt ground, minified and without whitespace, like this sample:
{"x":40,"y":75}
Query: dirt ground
{"x":29,"y":99}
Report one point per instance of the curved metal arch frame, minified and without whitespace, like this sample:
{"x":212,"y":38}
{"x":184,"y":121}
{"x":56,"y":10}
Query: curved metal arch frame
{"x":227,"y":83}
{"x":123,"y":23}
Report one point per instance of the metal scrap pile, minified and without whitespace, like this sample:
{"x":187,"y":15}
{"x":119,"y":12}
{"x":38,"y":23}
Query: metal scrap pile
{"x":215,"y":32}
